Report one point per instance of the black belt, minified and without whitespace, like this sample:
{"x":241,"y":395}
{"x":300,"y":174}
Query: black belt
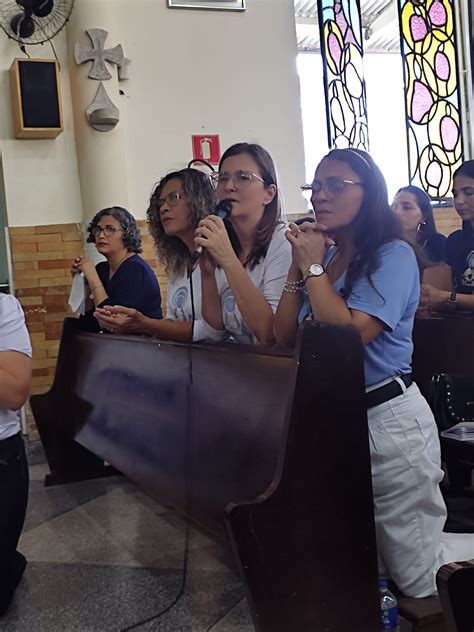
{"x":387,"y":391}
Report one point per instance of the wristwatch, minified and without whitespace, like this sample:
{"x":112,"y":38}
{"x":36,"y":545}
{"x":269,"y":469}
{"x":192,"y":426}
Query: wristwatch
{"x":314,"y":270}
{"x":452,"y":300}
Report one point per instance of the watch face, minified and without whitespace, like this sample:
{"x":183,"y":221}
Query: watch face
{"x":316,"y":269}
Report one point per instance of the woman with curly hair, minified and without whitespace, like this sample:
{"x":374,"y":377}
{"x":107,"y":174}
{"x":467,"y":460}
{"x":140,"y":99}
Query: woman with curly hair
{"x":177,"y":205}
{"x":124,"y":278}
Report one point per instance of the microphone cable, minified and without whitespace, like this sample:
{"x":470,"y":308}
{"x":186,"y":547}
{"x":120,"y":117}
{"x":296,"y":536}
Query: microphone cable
{"x":201,"y":162}
{"x":188,"y":439}
{"x":191,"y":268}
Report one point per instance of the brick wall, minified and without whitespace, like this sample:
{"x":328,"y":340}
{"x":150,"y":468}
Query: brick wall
{"x":41,"y":257}
{"x":447,"y":220}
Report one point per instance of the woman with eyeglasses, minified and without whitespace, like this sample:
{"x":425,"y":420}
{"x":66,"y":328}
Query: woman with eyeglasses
{"x":124,"y":278}
{"x":177,"y":205}
{"x":353,"y":268}
{"x":459,"y":251}
{"x":245,"y":258}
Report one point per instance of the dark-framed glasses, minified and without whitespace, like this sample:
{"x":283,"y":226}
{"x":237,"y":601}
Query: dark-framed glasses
{"x":108,"y":230}
{"x":332,"y":187}
{"x":172,"y":199}
{"x":241,"y":179}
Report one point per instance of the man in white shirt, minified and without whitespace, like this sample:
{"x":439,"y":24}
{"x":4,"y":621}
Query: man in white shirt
{"x":15,"y":378}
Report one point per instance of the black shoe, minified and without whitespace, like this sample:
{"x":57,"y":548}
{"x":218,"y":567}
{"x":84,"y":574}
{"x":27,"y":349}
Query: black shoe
{"x":18,"y":568}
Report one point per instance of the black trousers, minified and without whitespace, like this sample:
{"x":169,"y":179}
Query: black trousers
{"x":14,"y":482}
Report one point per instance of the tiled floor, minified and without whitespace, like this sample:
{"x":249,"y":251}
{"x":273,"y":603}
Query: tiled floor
{"x":104,"y":557}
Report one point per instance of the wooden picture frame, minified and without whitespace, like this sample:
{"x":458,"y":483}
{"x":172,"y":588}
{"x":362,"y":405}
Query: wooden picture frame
{"x":216,"y":5}
{"x":36,"y":98}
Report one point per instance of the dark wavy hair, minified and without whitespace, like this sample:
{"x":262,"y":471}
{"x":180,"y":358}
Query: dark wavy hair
{"x":131,"y":237}
{"x":272,"y":215}
{"x":172,"y":252}
{"x":428,"y":230}
{"x":466,"y":170}
{"x":375,"y":224}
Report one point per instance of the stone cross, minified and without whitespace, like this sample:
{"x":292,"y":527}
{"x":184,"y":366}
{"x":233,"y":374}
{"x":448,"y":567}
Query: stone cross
{"x":98,"y":55}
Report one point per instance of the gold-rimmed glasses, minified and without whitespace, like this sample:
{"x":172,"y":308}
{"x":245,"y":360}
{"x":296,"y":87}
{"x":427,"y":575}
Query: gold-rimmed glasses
{"x":332,"y":187}
{"x":241,"y":179}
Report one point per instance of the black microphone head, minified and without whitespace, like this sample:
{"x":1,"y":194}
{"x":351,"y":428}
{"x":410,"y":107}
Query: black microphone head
{"x":223,"y":209}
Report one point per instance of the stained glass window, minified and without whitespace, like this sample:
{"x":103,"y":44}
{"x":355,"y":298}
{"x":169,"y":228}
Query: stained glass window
{"x":431,"y":93}
{"x":341,"y":47}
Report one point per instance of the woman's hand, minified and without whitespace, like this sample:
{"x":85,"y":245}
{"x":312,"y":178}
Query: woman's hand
{"x":432,"y":299}
{"x":211,"y":234}
{"x":87,"y":267}
{"x":120,"y":320}
{"x":207,"y":263}
{"x":309,"y":243}
{"x":75,"y":266}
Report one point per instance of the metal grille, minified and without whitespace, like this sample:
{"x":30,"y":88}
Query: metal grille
{"x":379,"y":22}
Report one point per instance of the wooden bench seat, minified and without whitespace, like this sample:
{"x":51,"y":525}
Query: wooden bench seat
{"x":266,"y":450}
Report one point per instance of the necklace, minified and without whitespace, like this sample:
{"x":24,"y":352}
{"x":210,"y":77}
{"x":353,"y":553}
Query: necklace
{"x":126,"y":256}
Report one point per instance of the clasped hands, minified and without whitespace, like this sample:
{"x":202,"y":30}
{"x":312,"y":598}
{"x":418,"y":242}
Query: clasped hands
{"x":309,"y":243}
{"x":120,"y":320}
{"x":431,"y":300}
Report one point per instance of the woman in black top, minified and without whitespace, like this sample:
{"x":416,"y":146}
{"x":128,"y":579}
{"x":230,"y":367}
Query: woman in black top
{"x":459,"y":250}
{"x":413,"y":206}
{"x":124,"y":278}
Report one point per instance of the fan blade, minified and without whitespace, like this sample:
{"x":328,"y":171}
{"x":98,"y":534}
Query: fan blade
{"x":22,"y":26}
{"x":42,"y":8}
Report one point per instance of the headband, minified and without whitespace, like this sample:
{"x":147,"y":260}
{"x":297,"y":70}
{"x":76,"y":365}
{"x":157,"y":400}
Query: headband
{"x":360,"y":156}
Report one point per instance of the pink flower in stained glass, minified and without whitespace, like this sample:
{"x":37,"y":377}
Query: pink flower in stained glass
{"x":449,"y":133}
{"x":334,"y":49}
{"x":418,"y":28}
{"x":341,"y":19}
{"x":443,"y":69}
{"x":437,"y":13}
{"x":434,"y":174}
{"x":421,"y":102}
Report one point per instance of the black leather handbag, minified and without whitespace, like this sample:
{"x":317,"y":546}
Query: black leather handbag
{"x":451,"y":398}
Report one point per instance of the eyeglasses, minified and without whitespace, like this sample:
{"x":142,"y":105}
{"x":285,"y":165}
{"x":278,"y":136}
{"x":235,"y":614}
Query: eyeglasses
{"x":108,"y":230}
{"x":241,"y":179}
{"x":332,"y":187}
{"x":172,"y":199}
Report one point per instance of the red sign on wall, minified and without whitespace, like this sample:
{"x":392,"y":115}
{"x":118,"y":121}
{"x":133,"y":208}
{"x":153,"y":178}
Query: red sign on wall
{"x":207,"y":147}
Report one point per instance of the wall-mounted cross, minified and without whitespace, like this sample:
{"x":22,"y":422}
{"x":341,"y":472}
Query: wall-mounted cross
{"x":98,"y":55}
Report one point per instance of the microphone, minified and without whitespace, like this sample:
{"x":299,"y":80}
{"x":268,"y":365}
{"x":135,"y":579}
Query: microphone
{"x":223,"y":210}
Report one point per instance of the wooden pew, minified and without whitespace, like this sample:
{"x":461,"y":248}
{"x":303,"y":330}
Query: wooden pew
{"x":446,"y":345}
{"x":456,"y":589}
{"x":442,"y":344}
{"x":265,"y":450}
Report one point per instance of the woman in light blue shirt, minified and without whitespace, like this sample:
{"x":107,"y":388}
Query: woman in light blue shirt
{"x":352,"y":268}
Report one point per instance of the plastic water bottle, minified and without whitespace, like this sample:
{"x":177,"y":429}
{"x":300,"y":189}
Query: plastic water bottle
{"x":389,"y":608}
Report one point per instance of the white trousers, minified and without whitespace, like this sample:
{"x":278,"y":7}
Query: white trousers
{"x":409,"y":509}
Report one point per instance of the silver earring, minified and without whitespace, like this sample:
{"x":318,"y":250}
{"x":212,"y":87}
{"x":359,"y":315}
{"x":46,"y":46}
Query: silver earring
{"x":419,"y":228}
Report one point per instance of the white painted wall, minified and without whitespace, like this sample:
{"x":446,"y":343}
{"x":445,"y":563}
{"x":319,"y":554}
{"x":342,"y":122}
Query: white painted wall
{"x":192,"y":72}
{"x":196,"y":71}
{"x":40,"y":176}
